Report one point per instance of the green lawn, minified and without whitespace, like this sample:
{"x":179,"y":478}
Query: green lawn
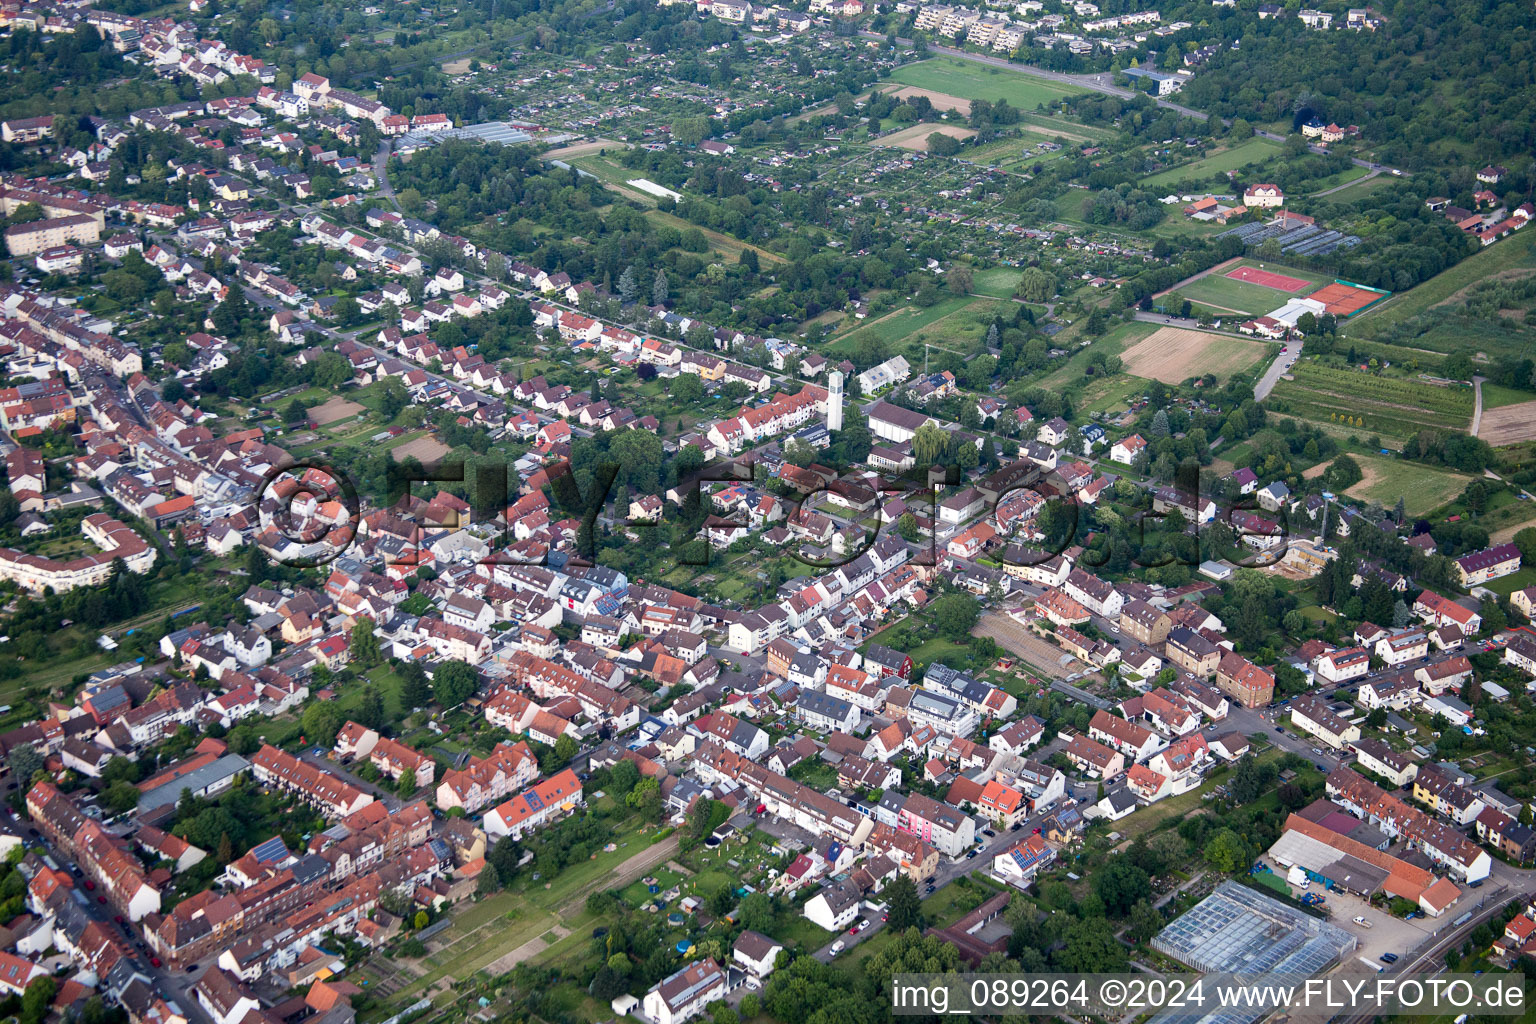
{"x":1506,"y":585}
{"x":1254,"y":150}
{"x":1496,"y":395}
{"x":973,"y":81}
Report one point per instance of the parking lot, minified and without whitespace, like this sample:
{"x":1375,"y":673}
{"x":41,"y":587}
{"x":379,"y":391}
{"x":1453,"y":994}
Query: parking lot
{"x":1382,"y":932}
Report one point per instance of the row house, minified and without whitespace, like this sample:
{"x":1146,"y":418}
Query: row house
{"x":485,"y":780}
{"x":331,"y":795}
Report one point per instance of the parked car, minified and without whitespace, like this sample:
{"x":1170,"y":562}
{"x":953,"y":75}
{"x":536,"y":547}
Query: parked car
{"x":1388,"y":958}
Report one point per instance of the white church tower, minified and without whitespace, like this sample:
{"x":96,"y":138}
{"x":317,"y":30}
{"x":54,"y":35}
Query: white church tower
{"x":835,"y":401}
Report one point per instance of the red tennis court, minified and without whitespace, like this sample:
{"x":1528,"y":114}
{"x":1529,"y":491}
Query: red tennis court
{"x":1342,"y":299}
{"x":1268,"y":278}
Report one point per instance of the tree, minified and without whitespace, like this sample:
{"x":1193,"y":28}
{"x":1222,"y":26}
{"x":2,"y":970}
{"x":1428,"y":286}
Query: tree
{"x":489,"y":881}
{"x":1160,"y":424}
{"x":453,"y":683}
{"x":120,"y":797}
{"x":905,"y":909}
{"x":622,"y":778}
{"x":688,"y":389}
{"x":227,"y":315}
{"x":646,"y":798}
{"x":1525,"y":540}
{"x":24,"y":762}
{"x":392,"y":398}
{"x":1036,"y":285}
{"x":628,"y":286}
{"x":294,"y":411}
{"x":755,"y":912}
{"x":958,"y":280}
{"x":364,"y":644}
{"x":1145,"y":921}
{"x":321,"y":721}
{"x":1120,"y":884}
{"x":413,"y":686}
{"x":565,"y":749}
{"x":37,"y":1000}
{"x":1090,"y":946}
{"x":1226,"y":851}
{"x":954,"y":615}
{"x":908,"y":528}
{"x":659,"y":288}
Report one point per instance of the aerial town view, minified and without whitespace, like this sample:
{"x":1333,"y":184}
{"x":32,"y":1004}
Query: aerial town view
{"x":558,"y":512}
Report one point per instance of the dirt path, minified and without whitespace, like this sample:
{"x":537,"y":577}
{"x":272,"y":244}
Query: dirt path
{"x":528,"y":950}
{"x":1477,"y":405}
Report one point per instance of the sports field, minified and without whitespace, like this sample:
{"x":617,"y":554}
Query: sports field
{"x":1345,"y":300}
{"x":1268,"y":278}
{"x":1249,"y":293}
{"x":973,"y":81}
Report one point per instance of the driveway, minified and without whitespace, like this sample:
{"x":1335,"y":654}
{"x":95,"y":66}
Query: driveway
{"x":1277,"y":369}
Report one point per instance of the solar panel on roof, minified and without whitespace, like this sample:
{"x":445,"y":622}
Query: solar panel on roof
{"x":270,"y":851}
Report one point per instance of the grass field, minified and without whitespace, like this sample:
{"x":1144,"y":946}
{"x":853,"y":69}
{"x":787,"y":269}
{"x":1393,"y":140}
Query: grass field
{"x":729,"y":247}
{"x":958,"y":323}
{"x":997,"y":283}
{"x":1423,"y":488}
{"x":1433,"y":316}
{"x":1115,"y":341}
{"x":1254,"y":150}
{"x":1519,"y":580}
{"x":1244,"y":296}
{"x":1396,"y":407}
{"x":1496,"y":396}
{"x":982,"y":82}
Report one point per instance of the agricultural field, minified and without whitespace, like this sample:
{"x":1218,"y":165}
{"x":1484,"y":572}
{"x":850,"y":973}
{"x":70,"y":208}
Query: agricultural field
{"x":916,"y":137}
{"x":1365,"y":403}
{"x":1254,"y":150}
{"x":972,"y":81}
{"x":1508,"y":424}
{"x":1173,"y":355}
